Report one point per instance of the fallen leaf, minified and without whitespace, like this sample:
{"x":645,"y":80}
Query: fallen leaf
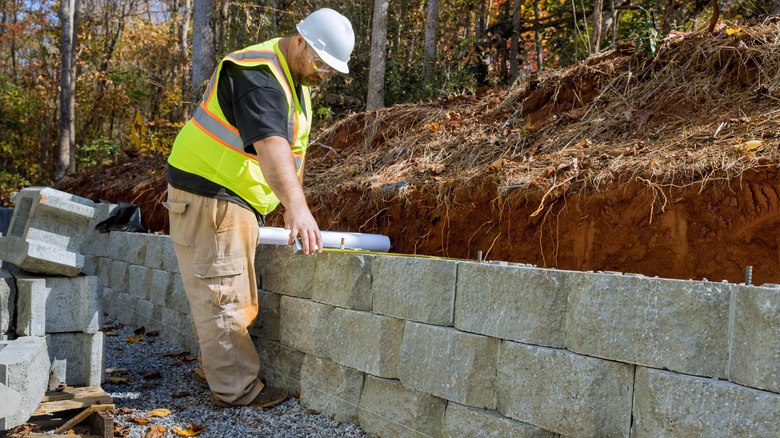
{"x":109,"y":333}
{"x":140,"y":420}
{"x":312,"y":412}
{"x":433,"y":126}
{"x":189,"y":358}
{"x":733,"y":31}
{"x":192,"y":430}
{"x":121,"y":431}
{"x":155,"y":432}
{"x":123,"y":411}
{"x":296,"y":394}
{"x":497,"y":165}
{"x":162,"y":413}
{"x":152,"y":376}
{"x":181,"y":394}
{"x":139,"y":331}
{"x":153,"y":333}
{"x":132,"y":339}
{"x":116,"y":370}
{"x":117,"y":380}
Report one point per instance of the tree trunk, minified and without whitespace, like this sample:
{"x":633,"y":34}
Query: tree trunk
{"x":66,"y":159}
{"x":203,"y":62}
{"x":376,"y":73}
{"x":538,"y":38}
{"x":480,"y":24}
{"x":595,"y":39}
{"x":615,"y":22}
{"x":431,"y":38}
{"x":513,"y":45}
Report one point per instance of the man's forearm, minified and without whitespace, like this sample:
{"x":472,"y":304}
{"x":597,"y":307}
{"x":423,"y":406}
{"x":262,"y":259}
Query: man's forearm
{"x":278,"y":166}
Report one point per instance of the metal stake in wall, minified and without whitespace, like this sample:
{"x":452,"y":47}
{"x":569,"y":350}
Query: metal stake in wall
{"x":748,"y":275}
{"x":479,"y":256}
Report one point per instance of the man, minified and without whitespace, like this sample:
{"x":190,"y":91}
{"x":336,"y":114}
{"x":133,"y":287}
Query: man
{"x":239,"y":156}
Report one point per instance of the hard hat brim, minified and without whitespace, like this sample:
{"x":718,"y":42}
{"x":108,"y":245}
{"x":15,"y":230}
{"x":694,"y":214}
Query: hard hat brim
{"x":340,"y":66}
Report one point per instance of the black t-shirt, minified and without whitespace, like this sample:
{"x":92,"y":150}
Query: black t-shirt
{"x":254,"y":102}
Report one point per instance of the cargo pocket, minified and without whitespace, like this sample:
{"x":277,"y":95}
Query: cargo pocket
{"x":181,"y":232}
{"x":226,"y":278}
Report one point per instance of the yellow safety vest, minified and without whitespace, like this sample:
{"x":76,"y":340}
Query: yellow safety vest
{"x":212,"y":148}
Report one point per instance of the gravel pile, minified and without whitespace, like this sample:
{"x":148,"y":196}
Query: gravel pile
{"x":158,"y":377}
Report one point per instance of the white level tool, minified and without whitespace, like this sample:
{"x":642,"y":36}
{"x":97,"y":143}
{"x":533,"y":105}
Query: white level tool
{"x":330,"y":239}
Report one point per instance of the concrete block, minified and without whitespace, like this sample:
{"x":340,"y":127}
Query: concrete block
{"x":678,"y":325}
{"x":58,"y":304}
{"x":331,"y":389}
{"x":282,"y":271}
{"x":90,"y":265}
{"x":96,"y":243}
{"x":343,"y":280}
{"x":10,"y":400}
{"x":365,"y":341}
{"x":127,"y":247}
{"x":7,"y":301}
{"x":161,"y":286}
{"x":755,"y":347}
{"x":170,"y":262}
{"x":119,"y":275}
{"x":450,"y":364}
{"x":24,"y":368}
{"x":6,"y":214}
{"x":78,"y":358}
{"x":280,"y":366}
{"x":155,"y":250}
{"x":303,"y":323}
{"x":417,"y":289}
{"x":46,"y":231}
{"x":516,"y":303}
{"x":109,"y":301}
{"x":104,"y":270}
{"x":144,"y":310}
{"x":140,"y":283}
{"x":268,"y":321}
{"x":178,"y":300}
{"x":125,"y":308}
{"x":177,"y":329}
{"x":673,"y":405}
{"x":564,"y":392}
{"x":463,"y":421}
{"x":387,"y":408}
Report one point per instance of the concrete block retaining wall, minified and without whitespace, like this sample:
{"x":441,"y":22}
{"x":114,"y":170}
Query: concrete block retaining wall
{"x":408,"y":346}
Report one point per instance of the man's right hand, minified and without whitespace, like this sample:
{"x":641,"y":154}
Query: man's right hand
{"x":301,"y":223}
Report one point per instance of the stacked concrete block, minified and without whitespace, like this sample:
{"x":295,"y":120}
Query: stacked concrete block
{"x":755,"y":345}
{"x":365,"y":341}
{"x":564,"y":392}
{"x":282,"y":271}
{"x":450,"y":364}
{"x":330,"y":388}
{"x":47,"y":231}
{"x":24,"y":371}
{"x":78,"y":358}
{"x":161,"y":286}
{"x":7,"y":301}
{"x":516,"y":303}
{"x":140,"y":281}
{"x":678,"y":325}
{"x":416,"y":289}
{"x":127,"y":247}
{"x":388,"y":408}
{"x":668,"y":404}
{"x":177,"y":329}
{"x":304,"y":324}
{"x":463,"y":421}
{"x":343,"y":280}
{"x":268,"y":321}
{"x":280,"y":365}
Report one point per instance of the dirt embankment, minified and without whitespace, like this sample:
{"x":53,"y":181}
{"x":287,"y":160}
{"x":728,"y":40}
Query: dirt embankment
{"x":664,"y":167}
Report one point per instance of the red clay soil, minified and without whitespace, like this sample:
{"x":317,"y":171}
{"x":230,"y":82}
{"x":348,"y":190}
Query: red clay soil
{"x":577,"y":170}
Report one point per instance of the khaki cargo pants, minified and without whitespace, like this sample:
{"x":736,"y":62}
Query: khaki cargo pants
{"x":215,"y":243}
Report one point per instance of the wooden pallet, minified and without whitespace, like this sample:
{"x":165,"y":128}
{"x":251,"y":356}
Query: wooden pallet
{"x":93,"y":404}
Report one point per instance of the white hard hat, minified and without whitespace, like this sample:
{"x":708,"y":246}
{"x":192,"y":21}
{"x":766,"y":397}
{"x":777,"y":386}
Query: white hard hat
{"x":330,"y":35}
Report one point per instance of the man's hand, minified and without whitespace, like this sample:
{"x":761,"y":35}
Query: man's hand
{"x":276,"y":162}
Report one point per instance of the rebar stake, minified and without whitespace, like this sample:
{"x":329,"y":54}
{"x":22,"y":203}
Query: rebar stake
{"x":748,"y":275}
{"x":479,"y":256}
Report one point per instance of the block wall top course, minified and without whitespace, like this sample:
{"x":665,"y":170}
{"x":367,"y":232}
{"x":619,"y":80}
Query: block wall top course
{"x":343,"y":280}
{"x":282,"y":271}
{"x":755,"y":343}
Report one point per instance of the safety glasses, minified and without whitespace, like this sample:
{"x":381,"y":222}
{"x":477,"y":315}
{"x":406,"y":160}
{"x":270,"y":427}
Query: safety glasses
{"x":317,"y":63}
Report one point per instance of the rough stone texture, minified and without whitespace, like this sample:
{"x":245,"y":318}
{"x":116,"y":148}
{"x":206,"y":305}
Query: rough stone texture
{"x":155,"y":250}
{"x":161,"y":286}
{"x":388,"y":409}
{"x":30,"y":305}
{"x":280,"y":366}
{"x":463,"y":421}
{"x":564,"y":392}
{"x":46,"y":231}
{"x":125,"y":307}
{"x":140,"y":283}
{"x":10,"y":400}
{"x":127,"y":247}
{"x":266,"y":325}
{"x":674,"y":405}
{"x":331,"y":389}
{"x":170,"y":263}
{"x":90,"y":265}
{"x":177,"y":329}
{"x":58,"y":304}
{"x":449,"y":364}
{"x":104,"y":270}
{"x":667,"y":324}
{"x":343,"y":280}
{"x":144,"y":310}
{"x":79,"y":358}
{"x":365,"y":341}
{"x":109,"y":300}
{"x":178,"y":300}
{"x":418,"y":289}
{"x":118,"y":277}
{"x":96,"y":243}
{"x":282,"y":271}
{"x":7,"y":301}
{"x":24,"y":368}
{"x":490,"y":300}
{"x":755,"y":347}
{"x":303,"y":325}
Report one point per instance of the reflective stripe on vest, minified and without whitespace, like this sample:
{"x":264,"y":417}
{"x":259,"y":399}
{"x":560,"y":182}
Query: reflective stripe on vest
{"x":209,"y":146}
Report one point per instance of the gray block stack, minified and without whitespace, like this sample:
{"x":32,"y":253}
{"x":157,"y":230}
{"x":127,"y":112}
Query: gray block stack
{"x":56,"y":312}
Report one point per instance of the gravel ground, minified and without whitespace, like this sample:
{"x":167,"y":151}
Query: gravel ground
{"x":163,"y":381}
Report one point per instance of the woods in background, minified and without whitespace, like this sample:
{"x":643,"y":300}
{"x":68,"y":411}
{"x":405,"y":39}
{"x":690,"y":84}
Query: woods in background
{"x":135,"y":68}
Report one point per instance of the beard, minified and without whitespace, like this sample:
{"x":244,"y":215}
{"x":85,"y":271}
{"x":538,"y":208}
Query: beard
{"x":311,"y":80}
